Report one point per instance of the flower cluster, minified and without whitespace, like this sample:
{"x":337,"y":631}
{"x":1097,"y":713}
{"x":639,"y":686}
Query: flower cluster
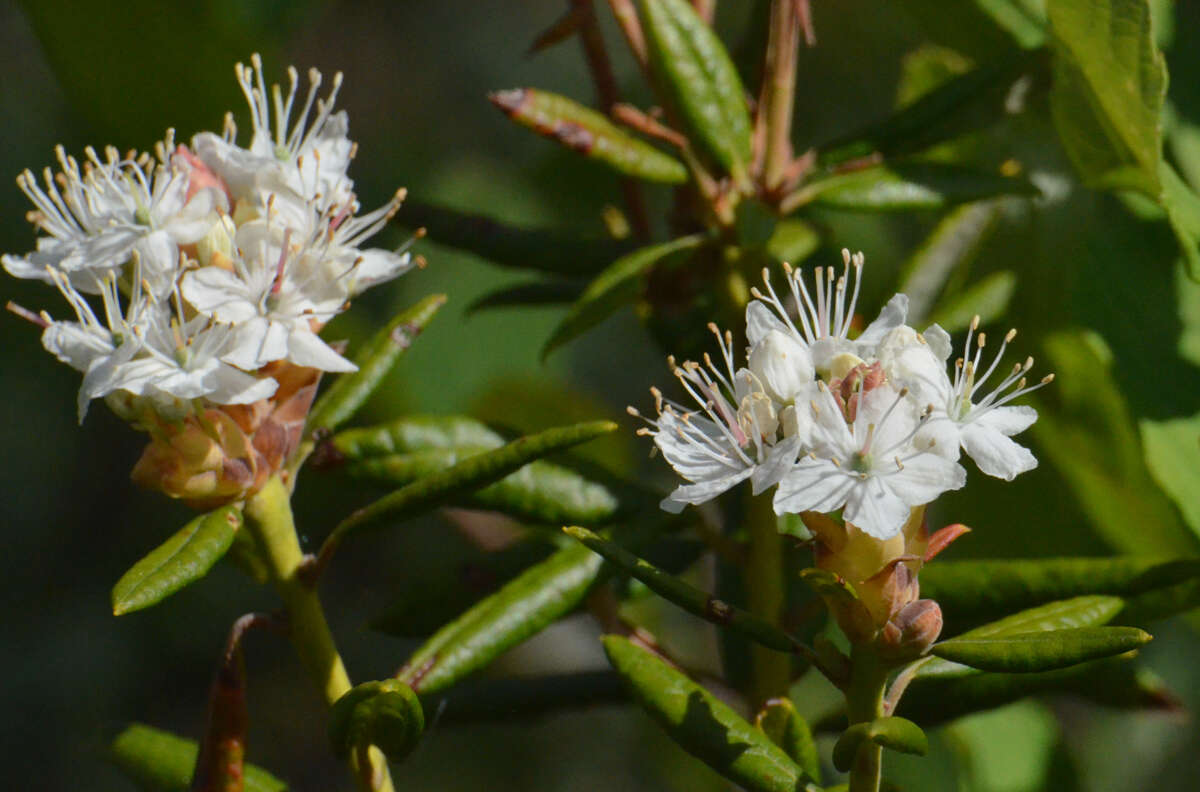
{"x":209,"y":261}
{"x":871,"y":425}
{"x":200,"y":276}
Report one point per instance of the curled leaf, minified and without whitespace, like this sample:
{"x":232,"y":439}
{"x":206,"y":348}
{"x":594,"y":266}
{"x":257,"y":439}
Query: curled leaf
{"x":897,"y":734}
{"x":386,"y":714}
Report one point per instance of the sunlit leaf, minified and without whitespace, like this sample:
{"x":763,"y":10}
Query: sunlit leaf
{"x":1040,"y":651}
{"x":952,"y":245}
{"x":779,"y":720}
{"x":907,"y":186}
{"x":988,"y":299}
{"x":897,"y":734}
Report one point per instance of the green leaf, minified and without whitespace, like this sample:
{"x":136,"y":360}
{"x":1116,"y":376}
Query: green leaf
{"x":527,"y":294}
{"x":988,"y":299}
{"x":159,"y":761}
{"x":374,"y":361}
{"x":960,"y":105}
{"x":1040,"y":651}
{"x":976,"y":591}
{"x":517,"y":611}
{"x":702,"y":725}
{"x":471,"y":474}
{"x":691,"y":599}
{"x":589,"y":133}
{"x":1076,"y":612}
{"x":792,"y":241}
{"x":385,"y":714}
{"x":907,"y":186}
{"x":180,"y":561}
{"x":619,"y":285}
{"x":1107,"y":97}
{"x":952,"y":245}
{"x":1183,"y":214}
{"x":1113,"y":682}
{"x":414,"y":433}
{"x":781,"y":723}
{"x":700,"y":80}
{"x":1085,"y":430}
{"x":524,"y":248}
{"x":540,"y":492}
{"x":898,"y":734}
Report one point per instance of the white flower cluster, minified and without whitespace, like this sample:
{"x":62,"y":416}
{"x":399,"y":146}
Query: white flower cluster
{"x":209,"y":261}
{"x":872,"y":425}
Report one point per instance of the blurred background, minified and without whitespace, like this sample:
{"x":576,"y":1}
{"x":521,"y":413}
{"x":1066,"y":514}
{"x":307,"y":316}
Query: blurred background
{"x":416,"y":78}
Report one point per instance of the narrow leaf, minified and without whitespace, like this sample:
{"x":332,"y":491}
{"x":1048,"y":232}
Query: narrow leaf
{"x":988,"y":299}
{"x":699,"y":79}
{"x":413,"y":433}
{"x":468,"y":475}
{"x":589,"y":133}
{"x":1076,"y":612}
{"x":1040,"y":651}
{"x":386,"y":714}
{"x":1182,"y":205}
{"x":159,"y":761}
{"x":951,"y":246}
{"x":527,"y":294}
{"x":898,"y":734}
{"x":540,"y":492}
{"x":702,"y":725}
{"x":779,"y":720}
{"x":691,"y":599}
{"x":510,"y":246}
{"x":962,"y":104}
{"x":181,"y":560}
{"x":374,"y":361}
{"x":1109,"y":84}
{"x":977,"y":591}
{"x":907,"y":186}
{"x":617,"y":286}
{"x":520,"y":609}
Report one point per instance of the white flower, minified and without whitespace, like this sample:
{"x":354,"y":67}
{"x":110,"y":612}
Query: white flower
{"x":734,"y":437}
{"x":982,"y":426}
{"x":870,"y":467}
{"x":110,"y":211}
{"x":823,"y":323}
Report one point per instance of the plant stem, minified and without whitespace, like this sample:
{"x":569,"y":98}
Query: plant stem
{"x":771,"y":671}
{"x":269,"y":517}
{"x":775,"y":105}
{"x":864,"y":703}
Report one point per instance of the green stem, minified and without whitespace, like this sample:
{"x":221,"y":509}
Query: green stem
{"x":779,"y":91}
{"x":771,"y":671}
{"x":269,"y":518}
{"x":865,"y":703}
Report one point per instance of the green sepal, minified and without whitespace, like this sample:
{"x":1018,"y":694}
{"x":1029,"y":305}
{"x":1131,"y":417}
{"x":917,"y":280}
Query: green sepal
{"x":520,"y":609}
{"x":963,"y":104}
{"x":702,"y":725}
{"x":537,"y":249}
{"x":781,"y":723}
{"x":988,"y":299}
{"x":897,"y":734}
{"x":386,"y":714}
{"x":540,"y":492}
{"x":618,"y":285}
{"x":841,"y":599}
{"x":700,"y":80}
{"x":162,"y":762}
{"x":908,"y":186}
{"x":691,"y":599}
{"x":1040,"y":651}
{"x":413,"y":433}
{"x":976,"y":591}
{"x":1067,"y":614}
{"x":180,"y":561}
{"x":1109,"y":84}
{"x":471,"y":474}
{"x":374,"y":361}
{"x":589,"y":133}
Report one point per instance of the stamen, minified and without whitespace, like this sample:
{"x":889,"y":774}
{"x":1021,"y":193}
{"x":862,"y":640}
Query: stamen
{"x":28,"y":315}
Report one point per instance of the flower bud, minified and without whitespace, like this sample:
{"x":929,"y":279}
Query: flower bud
{"x":206,"y":461}
{"x":913,"y":630}
{"x":782,"y":364}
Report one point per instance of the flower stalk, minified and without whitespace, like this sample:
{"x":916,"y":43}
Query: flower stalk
{"x":778,"y":92}
{"x":269,"y":518}
{"x":865,"y":703}
{"x":770,"y":670}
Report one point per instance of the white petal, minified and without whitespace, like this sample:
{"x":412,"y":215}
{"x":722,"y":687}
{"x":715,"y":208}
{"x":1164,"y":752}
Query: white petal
{"x":1007,"y":420}
{"x":940,"y":436}
{"x":376,"y":266}
{"x":813,"y":485}
{"x":939,"y":341}
{"x":690,"y":456}
{"x":892,"y":316}
{"x":219,"y":293}
{"x":73,"y":345}
{"x":237,"y":387}
{"x":305,"y":348}
{"x":775,"y":465}
{"x":995,"y":454}
{"x":257,"y":342}
{"x":197,"y":217}
{"x":782,"y":364}
{"x":875,"y":508}
{"x":924,"y":477}
{"x":761,"y":320}
{"x":701,"y":492}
